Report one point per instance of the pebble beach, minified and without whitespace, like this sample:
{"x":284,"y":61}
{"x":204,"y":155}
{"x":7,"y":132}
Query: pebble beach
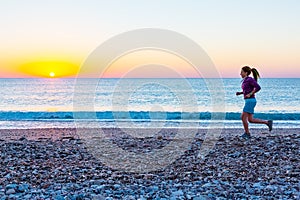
{"x":55,"y":164}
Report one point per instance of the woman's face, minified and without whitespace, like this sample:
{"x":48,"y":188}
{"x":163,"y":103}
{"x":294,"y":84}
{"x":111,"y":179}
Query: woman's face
{"x":243,"y":74}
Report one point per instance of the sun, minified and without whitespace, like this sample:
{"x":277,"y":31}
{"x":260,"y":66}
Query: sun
{"x":52,"y":74}
{"x":49,"y":69}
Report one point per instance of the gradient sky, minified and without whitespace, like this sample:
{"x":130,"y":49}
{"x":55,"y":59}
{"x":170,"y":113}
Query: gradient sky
{"x":38,"y":37}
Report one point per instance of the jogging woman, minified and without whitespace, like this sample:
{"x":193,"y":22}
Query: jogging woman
{"x":250,"y":87}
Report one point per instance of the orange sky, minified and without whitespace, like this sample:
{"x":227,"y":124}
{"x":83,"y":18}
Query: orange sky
{"x":42,"y":37}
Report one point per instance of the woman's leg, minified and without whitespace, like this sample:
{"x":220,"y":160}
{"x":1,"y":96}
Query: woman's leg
{"x":256,"y":121}
{"x":244,"y":118}
{"x":269,"y":123}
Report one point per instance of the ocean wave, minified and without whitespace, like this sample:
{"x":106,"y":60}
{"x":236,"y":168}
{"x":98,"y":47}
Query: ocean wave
{"x":136,"y":115}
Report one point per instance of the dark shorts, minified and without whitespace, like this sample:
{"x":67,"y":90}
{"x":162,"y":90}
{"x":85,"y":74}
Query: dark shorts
{"x":249,"y":105}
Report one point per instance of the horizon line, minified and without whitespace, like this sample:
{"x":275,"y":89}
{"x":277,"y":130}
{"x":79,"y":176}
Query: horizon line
{"x":140,"y":78}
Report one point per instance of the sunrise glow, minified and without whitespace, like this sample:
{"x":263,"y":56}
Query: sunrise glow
{"x":37,"y":44}
{"x":49,"y":69}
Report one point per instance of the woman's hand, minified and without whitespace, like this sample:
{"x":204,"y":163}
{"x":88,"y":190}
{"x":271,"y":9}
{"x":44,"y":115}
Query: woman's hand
{"x":248,"y":95}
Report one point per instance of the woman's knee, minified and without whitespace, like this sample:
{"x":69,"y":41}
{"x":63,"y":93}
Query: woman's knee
{"x":250,"y":119}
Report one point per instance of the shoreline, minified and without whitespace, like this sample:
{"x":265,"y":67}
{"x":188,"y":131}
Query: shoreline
{"x":59,"y":133}
{"x":55,"y":164}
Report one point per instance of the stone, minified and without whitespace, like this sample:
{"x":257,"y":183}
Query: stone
{"x":10,"y":191}
{"x":59,"y":197}
{"x":177,"y":193}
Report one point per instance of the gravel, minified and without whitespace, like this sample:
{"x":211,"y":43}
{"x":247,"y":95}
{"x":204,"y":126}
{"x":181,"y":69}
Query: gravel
{"x":265,"y":167}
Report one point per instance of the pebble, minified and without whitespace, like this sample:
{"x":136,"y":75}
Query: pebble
{"x":178,"y":193}
{"x":63,"y":169}
{"x":59,"y":197}
{"x":10,"y":191}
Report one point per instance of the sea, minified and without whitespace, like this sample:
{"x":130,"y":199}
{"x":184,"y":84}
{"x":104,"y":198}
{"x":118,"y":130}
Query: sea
{"x":144,"y":103}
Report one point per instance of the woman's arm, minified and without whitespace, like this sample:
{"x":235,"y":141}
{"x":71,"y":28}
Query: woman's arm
{"x":251,"y":93}
{"x":255,"y":85}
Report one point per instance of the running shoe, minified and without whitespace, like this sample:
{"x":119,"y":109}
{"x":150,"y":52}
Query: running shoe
{"x":246,"y":136}
{"x":270,"y":125}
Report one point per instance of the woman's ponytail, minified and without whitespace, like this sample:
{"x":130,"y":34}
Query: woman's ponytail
{"x":255,"y":74}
